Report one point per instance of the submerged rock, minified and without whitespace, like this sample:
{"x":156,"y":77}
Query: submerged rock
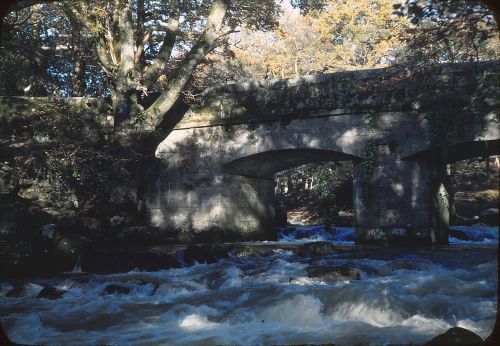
{"x":396,"y":265}
{"x":50,"y":292}
{"x":119,"y":261}
{"x":245,"y":250}
{"x":116,"y":289}
{"x":333,"y":273}
{"x":319,"y":248}
{"x":456,"y":337}
{"x":208,"y":253}
{"x":456,"y":233}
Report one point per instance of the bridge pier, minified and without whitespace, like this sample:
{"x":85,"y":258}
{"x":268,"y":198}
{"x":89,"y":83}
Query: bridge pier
{"x":213,"y":206}
{"x":401,"y":202}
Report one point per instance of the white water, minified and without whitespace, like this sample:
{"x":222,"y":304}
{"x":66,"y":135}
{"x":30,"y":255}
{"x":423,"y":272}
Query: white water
{"x":270,"y":300}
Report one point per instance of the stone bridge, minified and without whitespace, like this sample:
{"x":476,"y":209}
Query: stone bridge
{"x":400,"y":127}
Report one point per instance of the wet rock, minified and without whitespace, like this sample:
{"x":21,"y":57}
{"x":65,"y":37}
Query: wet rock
{"x":252,"y":250}
{"x":318,"y":248}
{"x":208,"y":253}
{"x":302,"y":235}
{"x":456,"y":337}
{"x":119,"y":260}
{"x":263,"y":249}
{"x":456,"y":233}
{"x":397,"y":265}
{"x":333,"y":273}
{"x":116,"y":289}
{"x":50,"y":292}
{"x":489,"y":216}
{"x":460,"y":220}
{"x":16,"y":291}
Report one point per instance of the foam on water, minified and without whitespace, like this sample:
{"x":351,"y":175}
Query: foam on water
{"x":477,"y":234}
{"x":404,"y":296}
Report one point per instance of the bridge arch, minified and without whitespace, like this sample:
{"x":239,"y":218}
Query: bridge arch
{"x":266,"y":164}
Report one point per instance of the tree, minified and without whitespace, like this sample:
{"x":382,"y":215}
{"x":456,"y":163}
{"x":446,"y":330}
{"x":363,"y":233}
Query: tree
{"x":342,"y":35}
{"x":448,"y":31}
{"x":158,"y":45}
{"x":146,"y":47}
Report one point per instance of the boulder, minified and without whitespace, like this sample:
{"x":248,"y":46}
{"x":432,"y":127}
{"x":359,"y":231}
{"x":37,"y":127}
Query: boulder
{"x":459,"y":220}
{"x":489,"y":216}
{"x":116,"y":289}
{"x":456,"y":337}
{"x":318,"y":248}
{"x":120,"y":260}
{"x":50,"y":292}
{"x":397,"y":265}
{"x":208,"y":253}
{"x":332,"y":273}
{"x":245,"y":250}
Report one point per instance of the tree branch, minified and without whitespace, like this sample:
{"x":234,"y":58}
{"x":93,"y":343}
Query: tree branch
{"x":140,"y":48}
{"x":104,"y":42}
{"x":153,"y":72}
{"x":126,"y":34}
{"x":156,"y":112}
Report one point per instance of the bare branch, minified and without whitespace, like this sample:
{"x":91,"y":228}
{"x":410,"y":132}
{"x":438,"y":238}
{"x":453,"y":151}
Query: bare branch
{"x":140,"y":48}
{"x":156,"y":112}
{"x":126,"y":36}
{"x":154,"y":70}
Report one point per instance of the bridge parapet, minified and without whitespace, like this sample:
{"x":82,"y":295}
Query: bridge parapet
{"x":465,"y":86}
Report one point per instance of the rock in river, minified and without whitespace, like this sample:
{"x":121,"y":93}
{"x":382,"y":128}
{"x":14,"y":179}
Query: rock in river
{"x":456,"y":337}
{"x":50,"y":292}
{"x":332,"y":273}
{"x":116,"y":289}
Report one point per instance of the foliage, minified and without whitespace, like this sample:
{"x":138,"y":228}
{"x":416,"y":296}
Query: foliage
{"x":447,"y":31}
{"x":60,"y":59}
{"x":343,"y":35}
{"x":64,"y":158}
{"x":328,"y":186}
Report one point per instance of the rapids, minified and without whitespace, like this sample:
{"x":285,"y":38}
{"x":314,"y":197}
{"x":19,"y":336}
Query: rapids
{"x":403,"y":296}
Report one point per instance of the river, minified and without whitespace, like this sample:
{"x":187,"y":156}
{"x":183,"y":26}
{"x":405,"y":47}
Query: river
{"x":401,"y":296}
